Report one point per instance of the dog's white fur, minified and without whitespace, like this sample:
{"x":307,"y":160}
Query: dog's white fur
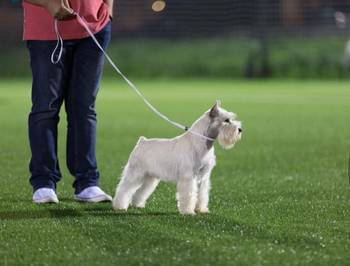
{"x":187,"y":160}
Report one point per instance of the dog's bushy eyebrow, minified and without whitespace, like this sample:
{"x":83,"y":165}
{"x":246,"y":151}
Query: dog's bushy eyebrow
{"x":232,"y":115}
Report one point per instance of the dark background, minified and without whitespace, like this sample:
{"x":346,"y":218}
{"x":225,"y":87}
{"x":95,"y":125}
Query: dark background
{"x":262,"y":38}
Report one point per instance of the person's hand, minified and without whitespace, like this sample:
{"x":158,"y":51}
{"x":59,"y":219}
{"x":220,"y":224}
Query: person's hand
{"x":109,"y":3}
{"x":59,"y":9}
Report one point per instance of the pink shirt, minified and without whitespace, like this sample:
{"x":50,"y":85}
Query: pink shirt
{"x":39,"y":25}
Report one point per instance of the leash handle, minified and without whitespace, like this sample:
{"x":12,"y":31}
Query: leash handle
{"x":83,"y":23}
{"x":59,"y":44}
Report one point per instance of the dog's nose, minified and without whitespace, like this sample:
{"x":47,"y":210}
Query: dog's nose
{"x":240,"y":130}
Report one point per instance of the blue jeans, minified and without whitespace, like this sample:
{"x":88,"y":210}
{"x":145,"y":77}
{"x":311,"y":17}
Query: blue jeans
{"x":74,"y":81}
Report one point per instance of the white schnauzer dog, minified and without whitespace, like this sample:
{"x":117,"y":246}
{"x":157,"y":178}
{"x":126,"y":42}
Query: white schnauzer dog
{"x":187,"y":159}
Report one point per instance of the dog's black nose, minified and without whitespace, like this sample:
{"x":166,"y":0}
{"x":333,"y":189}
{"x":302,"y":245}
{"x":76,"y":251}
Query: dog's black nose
{"x":240,"y":130}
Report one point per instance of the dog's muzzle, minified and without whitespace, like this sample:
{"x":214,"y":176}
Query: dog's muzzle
{"x":229,"y":134}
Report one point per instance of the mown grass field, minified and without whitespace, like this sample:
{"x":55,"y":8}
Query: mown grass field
{"x":300,"y":58}
{"x":280,"y":197}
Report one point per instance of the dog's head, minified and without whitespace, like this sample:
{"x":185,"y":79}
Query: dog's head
{"x":224,"y":126}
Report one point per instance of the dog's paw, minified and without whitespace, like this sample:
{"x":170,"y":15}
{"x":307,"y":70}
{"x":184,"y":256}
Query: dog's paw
{"x":187,"y":212}
{"x":139,"y":205}
{"x":119,"y":207}
{"x":202,"y":210}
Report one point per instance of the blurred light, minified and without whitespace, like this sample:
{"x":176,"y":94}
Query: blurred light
{"x":158,"y":6}
{"x":340,"y":19}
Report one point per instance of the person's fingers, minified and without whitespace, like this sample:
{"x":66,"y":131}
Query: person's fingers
{"x":65,"y":14}
{"x":66,"y":4}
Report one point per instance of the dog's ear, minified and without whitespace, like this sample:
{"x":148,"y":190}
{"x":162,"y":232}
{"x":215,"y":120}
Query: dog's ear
{"x":214,"y":111}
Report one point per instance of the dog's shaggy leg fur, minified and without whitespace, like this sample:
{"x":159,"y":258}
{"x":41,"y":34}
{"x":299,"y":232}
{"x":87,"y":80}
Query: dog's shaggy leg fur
{"x":142,"y":194}
{"x":203,"y":195}
{"x":187,"y":195}
{"x":129,"y":184}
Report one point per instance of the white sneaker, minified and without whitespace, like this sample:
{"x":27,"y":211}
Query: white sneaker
{"x":45,"y":195}
{"x":92,"y":194}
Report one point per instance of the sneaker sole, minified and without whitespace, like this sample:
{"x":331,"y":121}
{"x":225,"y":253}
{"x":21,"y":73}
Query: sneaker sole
{"x":102,"y":198}
{"x":46,"y":200}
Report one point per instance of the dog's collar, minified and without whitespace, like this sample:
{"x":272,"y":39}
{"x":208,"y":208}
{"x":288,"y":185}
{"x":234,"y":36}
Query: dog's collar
{"x":187,"y":129}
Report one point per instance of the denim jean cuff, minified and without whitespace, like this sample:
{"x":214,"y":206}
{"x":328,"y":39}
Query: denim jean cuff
{"x":84,"y":181}
{"x":42,"y":182}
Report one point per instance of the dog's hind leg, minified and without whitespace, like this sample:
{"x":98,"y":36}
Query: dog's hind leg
{"x":130,"y":182}
{"x":144,"y":192}
{"x":187,"y":195}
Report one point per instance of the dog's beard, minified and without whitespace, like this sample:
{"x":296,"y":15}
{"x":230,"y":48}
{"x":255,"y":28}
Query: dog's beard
{"x":228,"y":135}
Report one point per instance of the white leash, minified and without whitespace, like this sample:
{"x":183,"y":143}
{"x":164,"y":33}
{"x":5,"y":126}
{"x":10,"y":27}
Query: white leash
{"x":59,"y":44}
{"x":138,"y":92}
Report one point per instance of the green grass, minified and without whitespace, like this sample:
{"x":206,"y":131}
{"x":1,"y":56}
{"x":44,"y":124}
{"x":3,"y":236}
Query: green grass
{"x":280,"y":197}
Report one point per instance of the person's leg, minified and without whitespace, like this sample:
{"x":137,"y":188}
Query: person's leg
{"x":86,"y":73}
{"x":47,"y":95}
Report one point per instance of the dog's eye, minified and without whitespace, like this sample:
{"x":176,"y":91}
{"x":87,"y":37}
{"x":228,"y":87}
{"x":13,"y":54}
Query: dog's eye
{"x":227,"y":120}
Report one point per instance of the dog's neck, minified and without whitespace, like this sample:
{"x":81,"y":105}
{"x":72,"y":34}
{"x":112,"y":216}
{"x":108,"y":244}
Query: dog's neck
{"x":202,"y":126}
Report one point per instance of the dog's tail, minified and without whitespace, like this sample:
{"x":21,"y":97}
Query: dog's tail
{"x":141,"y":139}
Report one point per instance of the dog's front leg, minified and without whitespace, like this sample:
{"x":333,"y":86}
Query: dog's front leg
{"x":203,"y":195}
{"x":187,"y":195}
